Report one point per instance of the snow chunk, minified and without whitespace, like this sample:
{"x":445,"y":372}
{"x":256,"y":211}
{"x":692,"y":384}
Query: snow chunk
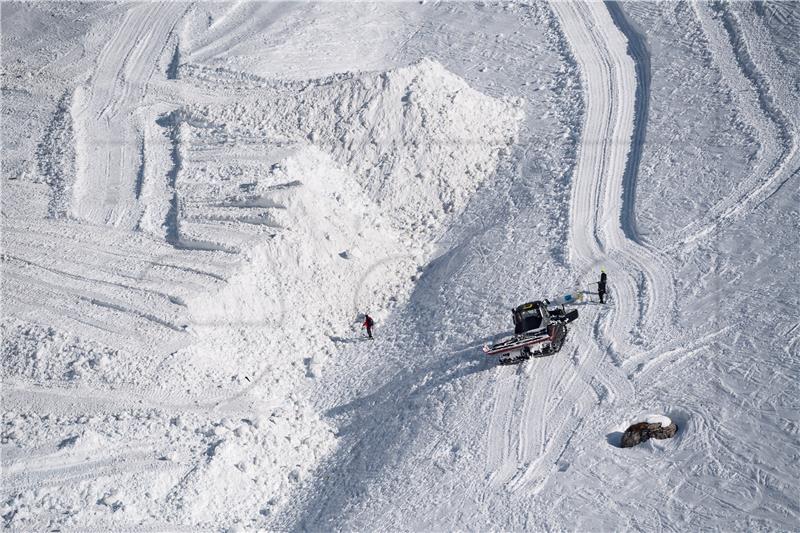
{"x":658,"y":419}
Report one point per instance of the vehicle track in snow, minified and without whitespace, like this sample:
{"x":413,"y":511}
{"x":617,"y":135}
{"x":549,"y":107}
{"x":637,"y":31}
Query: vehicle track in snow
{"x":109,"y":140}
{"x":637,"y":49}
{"x":753,"y":95}
{"x":602,"y":233}
{"x":537,"y":412}
{"x":124,"y":292}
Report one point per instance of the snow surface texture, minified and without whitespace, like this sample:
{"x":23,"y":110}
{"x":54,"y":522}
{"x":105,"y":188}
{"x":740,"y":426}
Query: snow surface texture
{"x":200,"y":201}
{"x":658,"y":419}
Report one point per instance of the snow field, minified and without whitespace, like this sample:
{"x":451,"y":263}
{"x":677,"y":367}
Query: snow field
{"x":268,"y":454}
{"x":199,"y":200}
{"x":265,"y":229}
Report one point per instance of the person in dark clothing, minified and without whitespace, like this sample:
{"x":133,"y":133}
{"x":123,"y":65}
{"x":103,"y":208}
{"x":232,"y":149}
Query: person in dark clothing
{"x":368,"y":323}
{"x":601,"y":286}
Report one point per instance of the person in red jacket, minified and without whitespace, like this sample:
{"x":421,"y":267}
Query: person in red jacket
{"x":368,"y":323}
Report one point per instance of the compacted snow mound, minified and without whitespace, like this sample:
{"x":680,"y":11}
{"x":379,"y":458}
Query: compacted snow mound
{"x":658,"y":419}
{"x":417,"y":139}
{"x":332,"y":190}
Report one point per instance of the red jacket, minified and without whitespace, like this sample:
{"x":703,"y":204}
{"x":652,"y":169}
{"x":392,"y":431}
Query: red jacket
{"x":368,"y":322}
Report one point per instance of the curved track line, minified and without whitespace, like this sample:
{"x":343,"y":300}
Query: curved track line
{"x":109,"y":140}
{"x":603,"y":230}
{"x":637,"y":49}
{"x":752,"y":93}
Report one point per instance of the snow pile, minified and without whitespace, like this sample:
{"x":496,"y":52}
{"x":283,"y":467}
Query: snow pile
{"x":45,"y":354}
{"x":367,"y":167}
{"x":252,"y":464}
{"x":185,"y":469}
{"x":56,"y":157}
{"x":288,"y":213}
{"x":658,"y":419}
{"x":268,"y":221}
{"x":417,"y":139}
{"x":290,"y":164}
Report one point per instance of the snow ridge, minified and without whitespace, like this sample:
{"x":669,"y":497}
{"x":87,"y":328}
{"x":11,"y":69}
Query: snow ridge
{"x":637,"y":49}
{"x":55,"y":155}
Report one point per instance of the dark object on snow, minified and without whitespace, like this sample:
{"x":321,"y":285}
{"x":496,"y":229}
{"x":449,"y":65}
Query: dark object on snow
{"x":368,"y":323}
{"x":643,"y":431}
{"x":538,"y":331}
{"x":601,"y":286}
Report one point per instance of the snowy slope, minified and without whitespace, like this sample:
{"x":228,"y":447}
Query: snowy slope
{"x":200,"y":201}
